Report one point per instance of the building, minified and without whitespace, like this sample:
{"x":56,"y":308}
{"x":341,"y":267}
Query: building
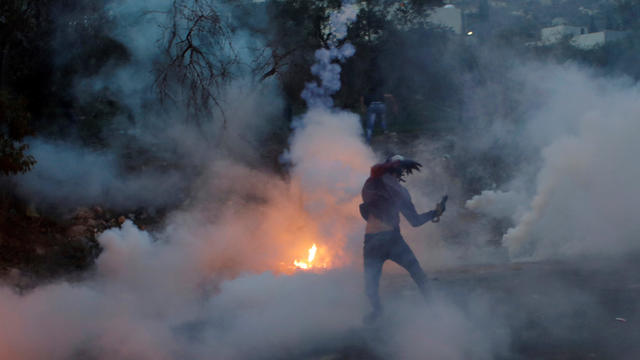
{"x":554,"y":34}
{"x":596,"y":39}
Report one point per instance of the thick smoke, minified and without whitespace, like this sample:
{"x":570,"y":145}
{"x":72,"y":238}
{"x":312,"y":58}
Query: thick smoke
{"x":498,"y":204}
{"x":166,"y":156}
{"x":584,"y":194}
{"x":74,"y":175}
{"x":150,"y":154}
{"x":211,"y":283}
{"x":140,"y":27}
{"x":445,"y":329}
{"x":150,"y":300}
{"x":169,"y":294}
{"x":147,"y":302}
{"x":340,"y":20}
{"x":319,"y":94}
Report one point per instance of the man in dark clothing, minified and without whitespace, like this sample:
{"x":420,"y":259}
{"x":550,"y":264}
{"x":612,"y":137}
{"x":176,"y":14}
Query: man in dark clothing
{"x":375,"y":104}
{"x":384,"y":198}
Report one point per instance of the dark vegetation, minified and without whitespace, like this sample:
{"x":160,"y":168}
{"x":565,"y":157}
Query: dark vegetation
{"x":47,"y":46}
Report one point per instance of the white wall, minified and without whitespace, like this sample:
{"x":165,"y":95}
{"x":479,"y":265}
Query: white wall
{"x":554,"y":34}
{"x":593,"y":40}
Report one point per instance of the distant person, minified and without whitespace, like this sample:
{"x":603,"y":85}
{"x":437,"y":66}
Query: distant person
{"x":384,"y":198}
{"x":374,"y":104}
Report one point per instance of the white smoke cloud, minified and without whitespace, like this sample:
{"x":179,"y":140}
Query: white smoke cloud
{"x":319,"y":93}
{"x":498,"y":204}
{"x":585,"y":188}
{"x":339,"y":20}
{"x":331,"y":162}
{"x":340,"y":166}
{"x":444,"y":330}
{"x":171,"y":155}
{"x":150,"y":299}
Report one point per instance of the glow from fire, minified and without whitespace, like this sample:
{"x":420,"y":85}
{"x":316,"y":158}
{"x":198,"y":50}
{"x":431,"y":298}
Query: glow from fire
{"x":304,"y":265}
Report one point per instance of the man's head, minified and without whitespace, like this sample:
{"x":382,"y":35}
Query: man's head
{"x":397,"y":166}
{"x":395,"y":157}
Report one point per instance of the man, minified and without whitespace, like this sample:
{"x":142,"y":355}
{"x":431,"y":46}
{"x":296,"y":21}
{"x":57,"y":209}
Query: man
{"x":374,"y":103}
{"x":384,"y":198}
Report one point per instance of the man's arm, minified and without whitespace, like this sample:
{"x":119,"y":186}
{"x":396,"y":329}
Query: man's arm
{"x":410,"y":213}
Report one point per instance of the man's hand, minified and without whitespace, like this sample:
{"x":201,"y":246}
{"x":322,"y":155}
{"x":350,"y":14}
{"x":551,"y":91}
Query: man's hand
{"x":440,"y":208}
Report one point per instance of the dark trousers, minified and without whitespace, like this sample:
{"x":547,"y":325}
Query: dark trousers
{"x":388,"y":245}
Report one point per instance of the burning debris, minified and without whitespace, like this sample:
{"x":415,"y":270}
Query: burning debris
{"x":306,"y":265}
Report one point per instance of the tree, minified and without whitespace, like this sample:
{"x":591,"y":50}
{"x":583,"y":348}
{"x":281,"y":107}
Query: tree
{"x":14,"y":126}
{"x":199,"y":56}
{"x":22,"y":42}
{"x":629,"y":14}
{"x":296,"y":29}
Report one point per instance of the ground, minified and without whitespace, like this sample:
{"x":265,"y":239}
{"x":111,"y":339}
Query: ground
{"x":551,"y":309}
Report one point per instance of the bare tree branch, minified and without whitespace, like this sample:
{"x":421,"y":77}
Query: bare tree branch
{"x":199,"y":57}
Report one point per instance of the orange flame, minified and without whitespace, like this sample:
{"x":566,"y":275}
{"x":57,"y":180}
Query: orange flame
{"x":304,"y":265}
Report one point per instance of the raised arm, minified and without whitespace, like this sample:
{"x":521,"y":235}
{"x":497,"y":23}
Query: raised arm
{"x":407,"y":209}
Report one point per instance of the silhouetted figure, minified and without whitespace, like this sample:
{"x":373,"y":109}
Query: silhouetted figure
{"x":384,"y":198}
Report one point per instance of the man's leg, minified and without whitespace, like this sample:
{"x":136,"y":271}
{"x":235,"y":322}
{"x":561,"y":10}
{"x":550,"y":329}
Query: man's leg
{"x":372,"y":272}
{"x":402,"y":254}
{"x":382,"y":114}
{"x":374,"y":257}
{"x":371,"y":121}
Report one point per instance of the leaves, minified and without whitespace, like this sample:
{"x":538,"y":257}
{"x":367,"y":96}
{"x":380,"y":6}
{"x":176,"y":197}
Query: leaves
{"x":13,"y":159}
{"x":14,"y":126}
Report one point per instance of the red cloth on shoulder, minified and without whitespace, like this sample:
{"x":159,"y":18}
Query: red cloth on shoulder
{"x":378,"y":170}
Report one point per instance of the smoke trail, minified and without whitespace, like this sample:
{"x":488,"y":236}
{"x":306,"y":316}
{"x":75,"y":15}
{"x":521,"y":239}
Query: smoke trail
{"x":330,"y":161}
{"x":319,"y":94}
